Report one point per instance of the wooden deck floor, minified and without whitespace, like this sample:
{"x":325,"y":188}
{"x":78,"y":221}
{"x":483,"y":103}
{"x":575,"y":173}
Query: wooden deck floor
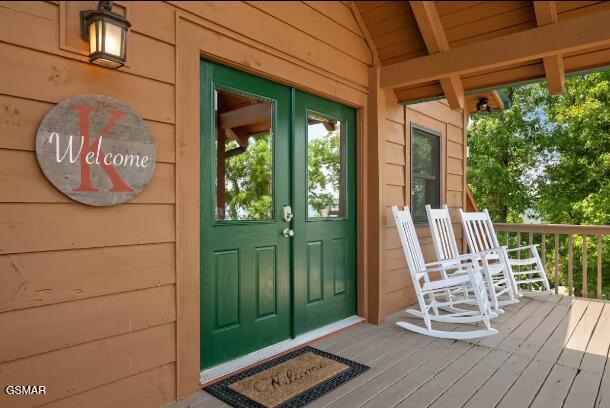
{"x":550,"y":351}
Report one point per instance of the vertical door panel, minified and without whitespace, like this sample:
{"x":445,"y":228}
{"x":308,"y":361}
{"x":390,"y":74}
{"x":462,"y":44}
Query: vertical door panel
{"x":266,"y":275}
{"x":315,"y":269}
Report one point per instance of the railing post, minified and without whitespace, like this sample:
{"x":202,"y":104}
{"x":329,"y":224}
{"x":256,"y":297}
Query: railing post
{"x":543,"y":245}
{"x":599,"y":266}
{"x":570,"y":259}
{"x":556,"y":258}
{"x":530,"y":242}
{"x":584,"y":266}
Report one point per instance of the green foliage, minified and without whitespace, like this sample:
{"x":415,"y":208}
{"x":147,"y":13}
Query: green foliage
{"x":324,"y":172}
{"x":248,"y":177}
{"x":549,"y":156}
{"x":248,"y":181}
{"x":504,"y":147}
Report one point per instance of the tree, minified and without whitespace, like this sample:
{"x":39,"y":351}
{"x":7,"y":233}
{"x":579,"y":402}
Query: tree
{"x":575,"y":188}
{"x":504,"y":149}
{"x":549,"y":155}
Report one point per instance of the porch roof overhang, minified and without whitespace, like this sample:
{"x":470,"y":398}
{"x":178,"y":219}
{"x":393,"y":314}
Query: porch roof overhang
{"x":445,"y":49}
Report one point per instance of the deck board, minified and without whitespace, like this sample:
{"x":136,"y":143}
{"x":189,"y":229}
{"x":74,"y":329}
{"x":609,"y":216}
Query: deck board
{"x":551,"y":351}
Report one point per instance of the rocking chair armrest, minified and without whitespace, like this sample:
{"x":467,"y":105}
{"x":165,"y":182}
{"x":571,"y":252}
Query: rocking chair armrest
{"x":450,"y":266}
{"x":457,"y":260}
{"x":521,"y":248}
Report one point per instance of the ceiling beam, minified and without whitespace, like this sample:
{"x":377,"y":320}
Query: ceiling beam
{"x":434,"y":36}
{"x":588,"y":31}
{"x":246,"y":115}
{"x":546,"y":13}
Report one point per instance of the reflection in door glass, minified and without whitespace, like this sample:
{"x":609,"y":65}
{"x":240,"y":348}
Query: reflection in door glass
{"x":244,"y":159}
{"x":325,"y":195}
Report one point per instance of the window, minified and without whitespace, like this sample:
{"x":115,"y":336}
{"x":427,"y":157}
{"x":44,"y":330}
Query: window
{"x":425,"y":172}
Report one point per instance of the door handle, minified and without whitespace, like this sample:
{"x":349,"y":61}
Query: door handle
{"x":287,"y":213}
{"x":288,"y":233}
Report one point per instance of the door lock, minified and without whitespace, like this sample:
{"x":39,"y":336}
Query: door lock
{"x":287,"y":213}
{"x":288,"y":233}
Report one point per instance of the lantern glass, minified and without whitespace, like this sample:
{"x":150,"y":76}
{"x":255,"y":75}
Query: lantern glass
{"x":112,"y":39}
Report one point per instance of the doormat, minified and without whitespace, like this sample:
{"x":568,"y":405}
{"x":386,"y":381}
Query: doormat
{"x":292,"y":380}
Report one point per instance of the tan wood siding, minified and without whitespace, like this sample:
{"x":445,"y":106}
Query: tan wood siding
{"x":94,"y":296}
{"x":436,"y":116}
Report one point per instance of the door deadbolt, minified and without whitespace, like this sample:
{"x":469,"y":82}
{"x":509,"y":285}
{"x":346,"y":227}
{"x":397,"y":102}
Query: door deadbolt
{"x":287,"y":213}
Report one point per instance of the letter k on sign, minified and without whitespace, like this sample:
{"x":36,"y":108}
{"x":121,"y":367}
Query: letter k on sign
{"x":118,"y":185}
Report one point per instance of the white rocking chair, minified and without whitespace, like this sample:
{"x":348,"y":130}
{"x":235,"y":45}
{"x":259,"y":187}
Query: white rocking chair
{"x":469,"y":280}
{"x":500,"y":287}
{"x":481,"y":235}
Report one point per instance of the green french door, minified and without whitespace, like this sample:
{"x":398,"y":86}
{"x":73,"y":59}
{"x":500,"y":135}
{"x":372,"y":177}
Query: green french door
{"x":277,"y":213}
{"x":324,"y":197}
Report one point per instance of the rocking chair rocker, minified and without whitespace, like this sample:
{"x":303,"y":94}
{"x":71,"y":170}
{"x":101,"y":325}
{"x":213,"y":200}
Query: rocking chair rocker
{"x":468,"y":280}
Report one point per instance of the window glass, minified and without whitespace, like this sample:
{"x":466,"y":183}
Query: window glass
{"x":325,"y":167}
{"x":244,"y":157}
{"x":425,"y":173}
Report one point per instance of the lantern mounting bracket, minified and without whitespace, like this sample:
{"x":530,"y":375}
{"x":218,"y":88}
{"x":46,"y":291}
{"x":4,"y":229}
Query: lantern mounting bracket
{"x":103,"y":7}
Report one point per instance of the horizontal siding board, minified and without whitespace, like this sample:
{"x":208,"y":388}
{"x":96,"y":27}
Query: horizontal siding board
{"x":393,"y":195}
{"x":394,"y":132}
{"x":393,"y":111}
{"x":338,"y":12}
{"x":280,"y":36}
{"x":300,"y":16}
{"x":51,"y":78}
{"x":42,"y":36}
{"x":455,"y":150}
{"x":398,"y":299}
{"x":397,"y":278}
{"x":29,"y":185}
{"x":455,"y":182}
{"x":393,"y":174}
{"x":19,"y":120}
{"x":48,"y":328}
{"x":393,"y":259}
{"x":455,"y":166}
{"x":157,"y":19}
{"x":71,"y":225}
{"x":152,"y":388}
{"x":456,"y":135}
{"x":80,"y":368}
{"x":439,"y":112}
{"x":270,"y":64}
{"x":391,"y":239}
{"x":393,"y":153}
{"x":43,"y":278}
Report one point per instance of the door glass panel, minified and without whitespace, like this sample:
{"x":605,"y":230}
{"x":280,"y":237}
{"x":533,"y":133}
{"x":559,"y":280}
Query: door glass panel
{"x":325,"y":167}
{"x":244,"y":157}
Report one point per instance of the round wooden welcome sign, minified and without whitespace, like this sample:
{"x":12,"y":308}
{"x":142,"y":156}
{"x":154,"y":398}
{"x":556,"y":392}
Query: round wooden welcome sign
{"x":96,"y":150}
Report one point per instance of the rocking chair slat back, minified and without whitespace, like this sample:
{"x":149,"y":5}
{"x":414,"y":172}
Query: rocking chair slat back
{"x":443,"y":238}
{"x":479,"y":230}
{"x":410,"y":244}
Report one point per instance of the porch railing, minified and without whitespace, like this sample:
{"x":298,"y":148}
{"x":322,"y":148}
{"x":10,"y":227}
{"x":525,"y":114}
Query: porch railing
{"x":575,"y":272}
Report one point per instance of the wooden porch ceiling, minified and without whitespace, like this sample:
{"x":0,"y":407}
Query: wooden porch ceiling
{"x":441,"y":49}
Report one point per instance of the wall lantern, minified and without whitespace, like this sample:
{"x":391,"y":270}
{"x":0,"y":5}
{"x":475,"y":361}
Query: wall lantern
{"x":106,"y":32}
{"x":483,"y":105}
